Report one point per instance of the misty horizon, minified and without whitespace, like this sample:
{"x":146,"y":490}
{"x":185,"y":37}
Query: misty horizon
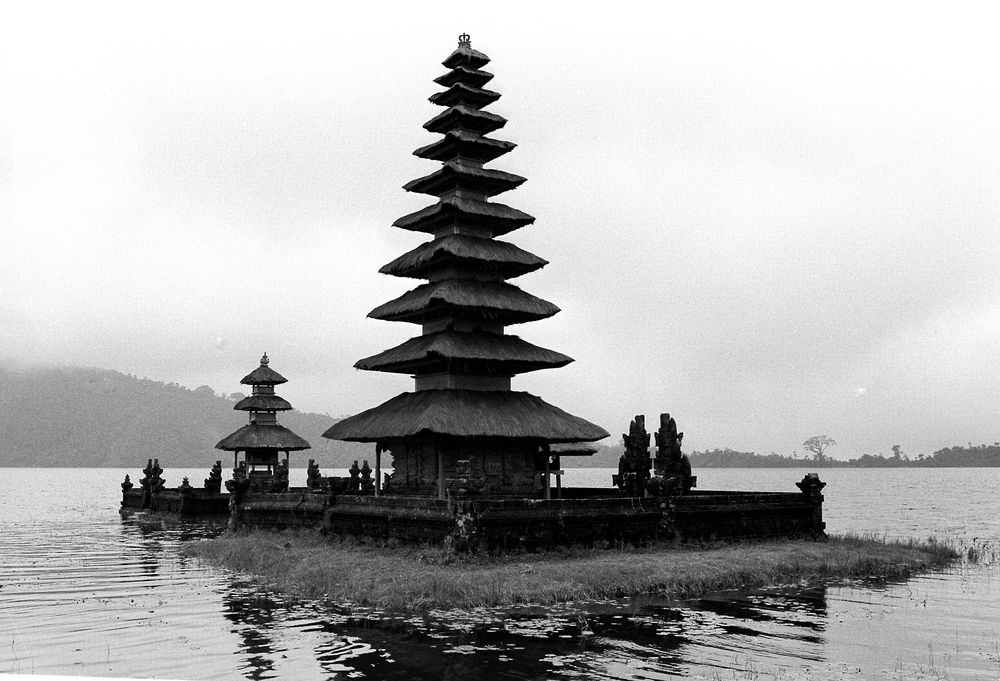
{"x":772,"y":223}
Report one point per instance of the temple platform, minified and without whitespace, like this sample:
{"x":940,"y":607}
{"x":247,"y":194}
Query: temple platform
{"x":351,"y":506}
{"x":196,"y":503}
{"x":584,"y":516}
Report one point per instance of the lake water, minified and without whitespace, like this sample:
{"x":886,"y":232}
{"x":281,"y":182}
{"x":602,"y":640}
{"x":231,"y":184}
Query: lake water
{"x":84,"y":592}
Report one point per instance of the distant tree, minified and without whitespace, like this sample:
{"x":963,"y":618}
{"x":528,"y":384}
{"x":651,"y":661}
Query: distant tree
{"x":896,"y":451}
{"x":818,"y":444}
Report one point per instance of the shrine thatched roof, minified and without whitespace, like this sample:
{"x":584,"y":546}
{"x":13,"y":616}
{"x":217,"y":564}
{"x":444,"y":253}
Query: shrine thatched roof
{"x":262,"y":436}
{"x":460,"y":93}
{"x":454,"y":174}
{"x":497,"y":218}
{"x":486,"y":254}
{"x":466,"y":56}
{"x":460,"y":117}
{"x":490,"y":299}
{"x":457,"y":143}
{"x":573,"y":449}
{"x":263,"y":375}
{"x":503,"y":353}
{"x":463,"y":74}
{"x":466,"y":414}
{"x":263,"y":403}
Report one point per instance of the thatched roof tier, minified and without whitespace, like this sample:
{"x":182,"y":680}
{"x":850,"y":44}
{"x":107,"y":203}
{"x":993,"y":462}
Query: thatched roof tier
{"x":456,"y":143}
{"x":263,"y":403}
{"x":463,"y":74}
{"x":461,"y":117}
{"x":573,"y":449}
{"x":501,"y":354}
{"x":496,"y":218}
{"x":467,"y":57}
{"x":466,"y":414}
{"x":457,"y":175}
{"x":460,"y":93}
{"x":263,"y":375}
{"x":262,"y":436}
{"x":503,"y":258}
{"x":493,"y":300}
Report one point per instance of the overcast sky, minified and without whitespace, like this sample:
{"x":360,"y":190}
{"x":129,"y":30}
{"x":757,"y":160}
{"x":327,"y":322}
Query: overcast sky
{"x":774,"y":220}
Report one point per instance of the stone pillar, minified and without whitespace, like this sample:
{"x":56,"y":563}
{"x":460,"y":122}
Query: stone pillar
{"x":126,"y":486}
{"x":548,"y":472}
{"x":812,"y":488}
{"x":186,"y":490}
{"x":238,"y":488}
{"x":440,"y":472}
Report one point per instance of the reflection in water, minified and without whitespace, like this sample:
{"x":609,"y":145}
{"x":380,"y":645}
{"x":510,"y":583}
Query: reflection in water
{"x":606,"y":639}
{"x":253,"y":615}
{"x":83,"y":592}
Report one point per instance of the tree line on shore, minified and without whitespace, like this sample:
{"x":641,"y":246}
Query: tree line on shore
{"x":972,"y":456}
{"x":969,"y":456}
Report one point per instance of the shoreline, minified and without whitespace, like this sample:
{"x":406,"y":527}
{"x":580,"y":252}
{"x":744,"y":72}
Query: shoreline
{"x":407,"y":578}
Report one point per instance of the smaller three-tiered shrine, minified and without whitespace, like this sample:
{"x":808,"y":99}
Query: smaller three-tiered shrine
{"x":262,"y":439}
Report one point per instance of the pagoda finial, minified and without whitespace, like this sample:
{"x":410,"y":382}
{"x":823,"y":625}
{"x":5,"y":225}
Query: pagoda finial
{"x":464,"y":40}
{"x":264,"y":360}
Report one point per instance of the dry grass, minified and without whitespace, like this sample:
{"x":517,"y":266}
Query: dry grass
{"x":408,"y":578}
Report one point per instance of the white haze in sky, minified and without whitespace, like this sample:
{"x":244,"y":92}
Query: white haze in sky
{"x":774,"y":220}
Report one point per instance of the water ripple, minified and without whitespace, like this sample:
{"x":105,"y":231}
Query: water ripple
{"x":83,"y":592}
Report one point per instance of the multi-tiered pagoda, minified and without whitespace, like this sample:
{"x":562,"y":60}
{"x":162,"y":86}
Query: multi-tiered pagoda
{"x":262,"y":439}
{"x":463,"y":429}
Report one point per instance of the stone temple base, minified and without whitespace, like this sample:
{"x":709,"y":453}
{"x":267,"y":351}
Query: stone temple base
{"x":586,"y":516}
{"x":194,"y":503}
{"x":583,"y":516}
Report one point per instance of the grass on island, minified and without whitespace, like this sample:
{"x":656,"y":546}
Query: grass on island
{"x":409,"y":578}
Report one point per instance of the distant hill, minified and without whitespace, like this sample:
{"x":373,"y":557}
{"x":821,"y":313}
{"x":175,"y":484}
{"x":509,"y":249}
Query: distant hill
{"x":81,"y":417}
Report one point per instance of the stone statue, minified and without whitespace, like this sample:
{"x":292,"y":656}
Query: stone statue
{"x":672,"y":467}
{"x":145,"y":485}
{"x":126,"y":486}
{"x":367,"y":482}
{"x":213,"y":483}
{"x":314,"y":481}
{"x":280,"y":481}
{"x":156,"y":482}
{"x":634,"y":464}
{"x":355,"y":483}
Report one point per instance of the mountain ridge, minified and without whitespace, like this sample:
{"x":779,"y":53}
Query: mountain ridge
{"x":71,"y":416}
